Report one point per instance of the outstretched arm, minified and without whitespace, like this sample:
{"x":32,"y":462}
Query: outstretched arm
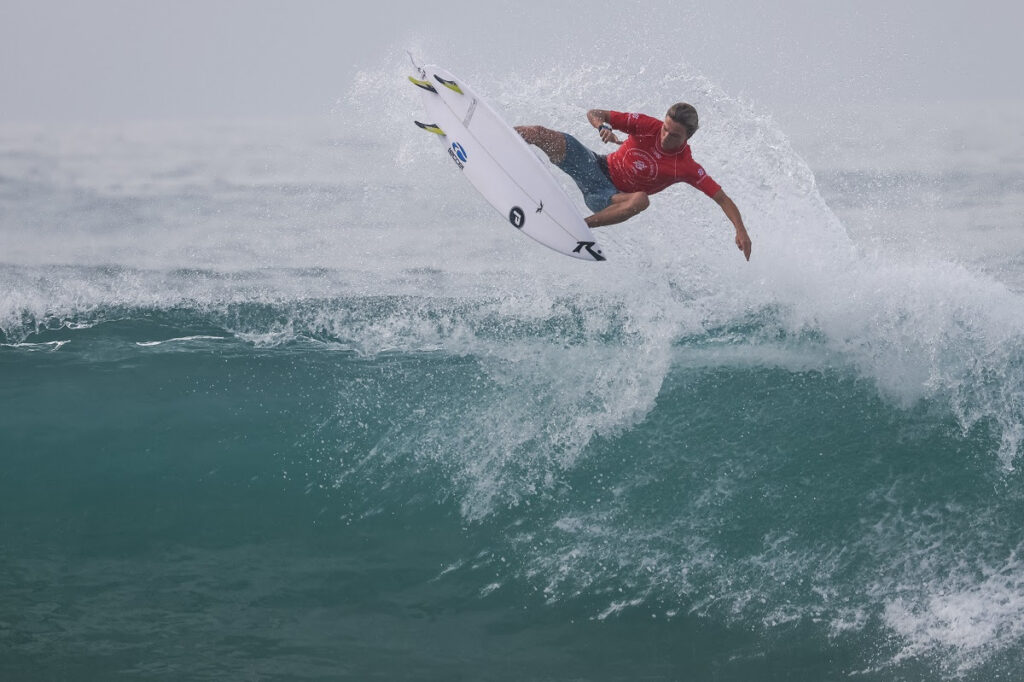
{"x":733,"y":214}
{"x":600,"y":119}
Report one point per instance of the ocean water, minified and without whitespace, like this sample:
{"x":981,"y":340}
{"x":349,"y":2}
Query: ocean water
{"x":287,"y":400}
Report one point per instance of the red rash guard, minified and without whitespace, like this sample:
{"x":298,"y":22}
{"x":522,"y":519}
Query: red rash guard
{"x":641,"y":165}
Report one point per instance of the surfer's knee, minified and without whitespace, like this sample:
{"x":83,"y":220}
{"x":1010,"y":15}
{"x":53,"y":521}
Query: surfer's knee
{"x":550,"y":141}
{"x":532,"y":134}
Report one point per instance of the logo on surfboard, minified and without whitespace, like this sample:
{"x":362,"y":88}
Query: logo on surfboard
{"x":517,"y":217}
{"x":592,"y":248}
{"x":458,"y":154}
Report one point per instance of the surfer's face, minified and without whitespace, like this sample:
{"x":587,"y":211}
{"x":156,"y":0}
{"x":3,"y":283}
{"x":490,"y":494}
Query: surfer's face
{"x":673,"y":134}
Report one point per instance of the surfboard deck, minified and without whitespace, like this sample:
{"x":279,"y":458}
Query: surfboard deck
{"x":501,"y":166}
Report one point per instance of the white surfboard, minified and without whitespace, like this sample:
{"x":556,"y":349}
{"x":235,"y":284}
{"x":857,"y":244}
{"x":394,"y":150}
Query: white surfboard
{"x":501,"y":166}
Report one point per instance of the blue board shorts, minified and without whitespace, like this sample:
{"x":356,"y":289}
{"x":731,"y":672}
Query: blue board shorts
{"x":587,"y":171}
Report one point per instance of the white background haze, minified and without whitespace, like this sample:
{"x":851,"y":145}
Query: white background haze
{"x":113,"y":60}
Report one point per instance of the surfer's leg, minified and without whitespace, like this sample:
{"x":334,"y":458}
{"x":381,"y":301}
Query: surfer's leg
{"x":623,"y":207}
{"x":551,"y":142}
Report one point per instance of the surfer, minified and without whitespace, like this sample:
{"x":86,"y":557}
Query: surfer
{"x":655,"y":155}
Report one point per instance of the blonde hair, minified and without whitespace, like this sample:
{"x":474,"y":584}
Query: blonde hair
{"x":685,"y":114}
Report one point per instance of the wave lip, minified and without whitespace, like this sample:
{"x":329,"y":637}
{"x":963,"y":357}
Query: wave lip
{"x":181,"y":339}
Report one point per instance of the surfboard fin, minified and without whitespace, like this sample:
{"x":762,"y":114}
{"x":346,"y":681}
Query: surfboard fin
{"x":430,"y":127}
{"x":451,"y":85}
{"x":423,"y":84}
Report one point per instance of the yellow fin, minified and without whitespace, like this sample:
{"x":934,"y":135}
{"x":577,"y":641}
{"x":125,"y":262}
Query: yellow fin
{"x":451,"y":85}
{"x":423,"y":84}
{"x":430,"y":127}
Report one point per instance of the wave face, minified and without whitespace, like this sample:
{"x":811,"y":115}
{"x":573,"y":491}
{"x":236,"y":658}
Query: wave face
{"x":311,"y":397}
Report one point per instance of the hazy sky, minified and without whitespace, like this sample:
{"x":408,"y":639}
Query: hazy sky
{"x":109,"y":60}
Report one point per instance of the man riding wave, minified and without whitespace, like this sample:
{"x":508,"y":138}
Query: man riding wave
{"x":655,"y":155}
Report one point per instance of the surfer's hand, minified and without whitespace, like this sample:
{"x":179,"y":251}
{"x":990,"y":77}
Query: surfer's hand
{"x":733,"y":214}
{"x":743,"y":242}
{"x":607,"y":134}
